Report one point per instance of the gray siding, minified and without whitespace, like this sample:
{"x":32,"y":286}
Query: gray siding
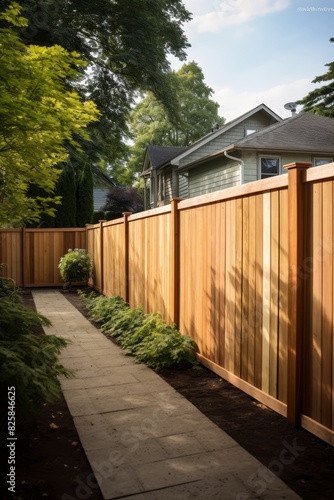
{"x":100,"y":195}
{"x":219,"y":175}
{"x":251,"y":160}
{"x":255,"y":122}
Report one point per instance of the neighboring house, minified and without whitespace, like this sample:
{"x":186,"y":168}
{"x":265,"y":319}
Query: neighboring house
{"x":102,"y":185}
{"x":160,"y":177}
{"x":304,"y":137}
{"x":168,"y":171}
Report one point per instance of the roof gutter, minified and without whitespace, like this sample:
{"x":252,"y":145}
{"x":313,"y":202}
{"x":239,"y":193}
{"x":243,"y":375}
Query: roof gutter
{"x":241,"y":163}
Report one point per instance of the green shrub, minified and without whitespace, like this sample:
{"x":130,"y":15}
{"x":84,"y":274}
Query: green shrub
{"x":100,"y":308}
{"x":28,"y":361}
{"x":163,"y":350}
{"x":124,"y":323}
{"x":153,"y":323}
{"x":75,"y":266}
{"x":145,"y":336}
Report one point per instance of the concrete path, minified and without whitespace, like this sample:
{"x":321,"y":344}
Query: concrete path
{"x":145,"y":441}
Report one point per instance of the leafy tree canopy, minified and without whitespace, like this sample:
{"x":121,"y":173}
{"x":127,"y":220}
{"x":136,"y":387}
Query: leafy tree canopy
{"x":197,"y":113}
{"x":126,"y":44}
{"x":39,"y":115}
{"x":321,"y":100}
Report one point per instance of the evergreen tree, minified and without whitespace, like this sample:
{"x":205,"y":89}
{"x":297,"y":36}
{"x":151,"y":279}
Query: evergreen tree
{"x":85,"y":198}
{"x":321,"y":101}
{"x":66,"y":188}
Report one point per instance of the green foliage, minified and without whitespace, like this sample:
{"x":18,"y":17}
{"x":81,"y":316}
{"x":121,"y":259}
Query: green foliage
{"x":100,"y":308}
{"x":66,"y":188}
{"x":124,"y":324}
{"x":7,"y":287}
{"x":166,"y":348}
{"x":27,"y":361}
{"x":127,"y":45}
{"x":145,"y":336}
{"x":85,"y":199}
{"x":196,"y":114}
{"x":39,"y":118}
{"x":321,"y":100}
{"x":75,"y":266}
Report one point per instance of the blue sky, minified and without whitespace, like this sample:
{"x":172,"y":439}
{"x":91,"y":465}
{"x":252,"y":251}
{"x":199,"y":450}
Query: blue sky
{"x":254,"y":51}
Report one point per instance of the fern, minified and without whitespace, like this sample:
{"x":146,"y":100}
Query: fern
{"x":28,"y":361}
{"x":145,"y":336}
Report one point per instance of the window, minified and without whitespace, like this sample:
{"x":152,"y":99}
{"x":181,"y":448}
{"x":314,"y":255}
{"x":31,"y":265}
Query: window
{"x":269,"y":166}
{"x":321,"y":161}
{"x":249,"y":131}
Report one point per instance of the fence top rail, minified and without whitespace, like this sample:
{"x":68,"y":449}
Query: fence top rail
{"x":44,"y":230}
{"x":56,"y":230}
{"x":320,"y":173}
{"x":151,"y":213}
{"x":113,"y":222}
{"x":252,"y":188}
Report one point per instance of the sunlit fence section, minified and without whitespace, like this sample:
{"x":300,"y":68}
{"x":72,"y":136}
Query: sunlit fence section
{"x":247,"y":272}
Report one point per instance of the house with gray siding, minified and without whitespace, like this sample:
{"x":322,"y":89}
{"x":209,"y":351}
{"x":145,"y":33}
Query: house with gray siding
{"x":161,"y":179}
{"x":171,"y":172}
{"x":102,"y":186}
{"x":302,"y":138}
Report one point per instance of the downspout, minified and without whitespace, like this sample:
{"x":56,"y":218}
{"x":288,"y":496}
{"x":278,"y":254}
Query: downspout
{"x":242,"y":165}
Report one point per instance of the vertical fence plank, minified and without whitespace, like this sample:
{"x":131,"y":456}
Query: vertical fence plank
{"x":327,"y":301}
{"x":175,"y":263}
{"x":266,"y":292}
{"x":126,"y":255}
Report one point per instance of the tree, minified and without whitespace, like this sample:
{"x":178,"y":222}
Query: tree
{"x":122,"y":199}
{"x":126,"y":45}
{"x":85,"y":199}
{"x":197,"y":114}
{"x":321,"y":100}
{"x":39,"y":115}
{"x":66,"y":187}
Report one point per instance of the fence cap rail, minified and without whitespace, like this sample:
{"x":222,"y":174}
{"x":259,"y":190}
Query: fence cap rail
{"x":252,"y":188}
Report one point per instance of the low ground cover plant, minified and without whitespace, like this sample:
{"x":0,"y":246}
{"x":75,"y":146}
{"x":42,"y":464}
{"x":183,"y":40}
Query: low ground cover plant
{"x":145,"y":336}
{"x":28,"y":362}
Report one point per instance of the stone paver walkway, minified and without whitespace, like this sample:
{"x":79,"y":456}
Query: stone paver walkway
{"x":145,"y":441}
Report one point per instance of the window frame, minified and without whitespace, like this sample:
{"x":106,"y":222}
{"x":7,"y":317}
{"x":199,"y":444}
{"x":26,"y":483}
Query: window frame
{"x":271,"y":157}
{"x":321,"y":158}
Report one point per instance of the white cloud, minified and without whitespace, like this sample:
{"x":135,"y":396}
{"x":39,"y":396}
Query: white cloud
{"x":234,"y":103}
{"x":232,"y":12}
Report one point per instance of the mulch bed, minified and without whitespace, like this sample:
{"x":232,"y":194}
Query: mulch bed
{"x":52,"y":464}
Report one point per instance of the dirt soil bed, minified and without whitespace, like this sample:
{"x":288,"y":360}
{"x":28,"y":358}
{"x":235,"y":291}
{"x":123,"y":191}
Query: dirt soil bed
{"x":52,"y":464}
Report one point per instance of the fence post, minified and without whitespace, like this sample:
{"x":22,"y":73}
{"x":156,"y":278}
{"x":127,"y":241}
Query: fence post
{"x":23,"y":257}
{"x":175,"y":262}
{"x":126,"y":255}
{"x":296,"y":255}
{"x":101,"y":255}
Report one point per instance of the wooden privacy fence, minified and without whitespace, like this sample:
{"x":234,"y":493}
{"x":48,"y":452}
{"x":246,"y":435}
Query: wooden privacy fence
{"x":247,"y":272}
{"x":32,"y":255}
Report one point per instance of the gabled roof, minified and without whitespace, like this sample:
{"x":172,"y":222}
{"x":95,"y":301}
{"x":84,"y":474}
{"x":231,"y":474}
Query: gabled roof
{"x":103,"y":179}
{"x":160,"y":155}
{"x":209,"y":137}
{"x":304,"y":132}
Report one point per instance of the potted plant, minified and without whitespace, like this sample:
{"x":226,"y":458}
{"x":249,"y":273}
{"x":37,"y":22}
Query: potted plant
{"x":75,"y":266}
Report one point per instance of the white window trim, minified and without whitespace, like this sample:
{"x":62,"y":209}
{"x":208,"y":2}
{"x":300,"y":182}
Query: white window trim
{"x":269,"y":156}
